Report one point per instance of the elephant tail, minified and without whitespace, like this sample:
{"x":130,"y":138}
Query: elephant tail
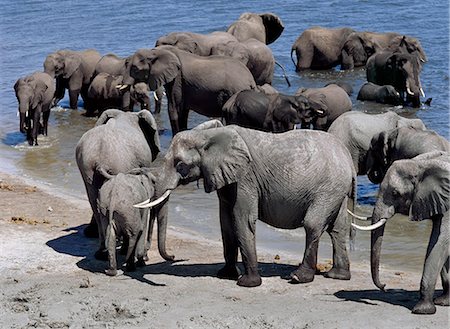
{"x":352,"y":200}
{"x":292,"y":58}
{"x":284,"y":73}
{"x":103,"y":172}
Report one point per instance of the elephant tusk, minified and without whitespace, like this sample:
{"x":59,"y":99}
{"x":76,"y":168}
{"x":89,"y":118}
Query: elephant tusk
{"x":421,"y":59}
{"x":121,"y":87}
{"x":295,"y":127}
{"x":409,"y":91}
{"x":156,"y":97}
{"x":422,"y":92}
{"x":370,"y":227}
{"x":357,"y":216}
{"x":153,"y":203}
{"x":141,"y":203}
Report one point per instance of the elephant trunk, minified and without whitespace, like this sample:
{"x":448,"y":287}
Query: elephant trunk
{"x":23,"y":122}
{"x":162,"y":232}
{"x":376,"y":241}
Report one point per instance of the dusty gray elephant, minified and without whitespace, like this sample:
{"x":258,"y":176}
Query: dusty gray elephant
{"x":192,"y":82}
{"x":118,"y":217}
{"x":330,"y":102}
{"x":103,"y":94}
{"x":400,"y":70}
{"x":380,"y":94}
{"x":320,"y":48}
{"x":401,"y":143}
{"x":418,"y":188}
{"x":355,"y":130}
{"x":119,"y":142}
{"x":243,"y":166}
{"x":35,"y":94}
{"x":266,"y":27}
{"x":276,"y":112}
{"x":73,"y":70}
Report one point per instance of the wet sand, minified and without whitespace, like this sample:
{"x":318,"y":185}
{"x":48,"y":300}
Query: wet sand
{"x":50,"y":279}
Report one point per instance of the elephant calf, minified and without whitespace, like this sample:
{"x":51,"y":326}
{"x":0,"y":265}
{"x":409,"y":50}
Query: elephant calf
{"x":118,"y":217}
{"x":104,"y":94}
{"x":381,"y":94}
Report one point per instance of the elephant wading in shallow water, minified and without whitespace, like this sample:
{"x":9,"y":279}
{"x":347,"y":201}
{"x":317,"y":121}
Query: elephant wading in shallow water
{"x":418,"y":188}
{"x":301,"y":178}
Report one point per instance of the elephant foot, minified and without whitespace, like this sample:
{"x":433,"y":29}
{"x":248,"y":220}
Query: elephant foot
{"x":124,"y":247}
{"x":140,"y":262}
{"x":228,"y":272}
{"x":131,"y":266}
{"x":249,"y":281}
{"x":302,"y":275}
{"x":91,"y":231}
{"x":101,"y":254}
{"x":424,"y":307}
{"x":442,"y":300}
{"x":338,"y":274}
{"x":111,"y":272}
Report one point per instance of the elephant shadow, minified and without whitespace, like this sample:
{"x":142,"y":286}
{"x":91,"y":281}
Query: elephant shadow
{"x":398,"y":297}
{"x":14,"y":138}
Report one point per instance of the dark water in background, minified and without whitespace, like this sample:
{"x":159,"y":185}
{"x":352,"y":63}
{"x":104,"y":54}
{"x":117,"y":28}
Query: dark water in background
{"x":29,"y":30}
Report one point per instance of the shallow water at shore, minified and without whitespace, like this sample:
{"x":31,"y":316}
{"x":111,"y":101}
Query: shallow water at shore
{"x":123,"y":29}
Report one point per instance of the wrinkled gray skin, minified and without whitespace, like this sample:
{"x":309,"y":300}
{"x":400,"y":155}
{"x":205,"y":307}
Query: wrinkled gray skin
{"x":103,"y":94}
{"x":400,"y":70}
{"x":119,"y":142}
{"x":192,"y":82}
{"x":34,"y":94}
{"x":73,"y":70}
{"x":319,"y":48}
{"x":401,"y":143}
{"x":118,"y":217}
{"x":266,"y":27}
{"x":380,"y":94}
{"x":332,"y":101}
{"x":275,"y":113}
{"x":361,"y":45}
{"x":355,"y":130}
{"x":244,"y":167}
{"x":418,"y":188}
{"x":253,"y":53}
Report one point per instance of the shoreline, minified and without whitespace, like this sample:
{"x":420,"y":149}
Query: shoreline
{"x":50,"y":279}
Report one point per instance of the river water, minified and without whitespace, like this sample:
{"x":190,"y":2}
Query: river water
{"x":29,"y":30}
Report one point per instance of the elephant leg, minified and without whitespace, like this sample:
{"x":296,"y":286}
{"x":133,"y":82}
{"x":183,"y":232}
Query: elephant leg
{"x":36,"y":118}
{"x":444,"y":299}
{"x":73,"y":98}
{"x":45,"y":117}
{"x":305,"y":54}
{"x":437,"y":255}
{"x":129,"y":258}
{"x":110,"y":240}
{"x":338,"y":232}
{"x":229,"y":240}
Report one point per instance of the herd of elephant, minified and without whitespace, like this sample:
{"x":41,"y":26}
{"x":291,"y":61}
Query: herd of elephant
{"x":259,"y":165}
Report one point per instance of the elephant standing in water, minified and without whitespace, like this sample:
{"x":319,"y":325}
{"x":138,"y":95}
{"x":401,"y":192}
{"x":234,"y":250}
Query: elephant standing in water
{"x":380,"y":94}
{"x":73,"y":70}
{"x":244,"y":167}
{"x":265,"y":27}
{"x":35,"y":95}
{"x":119,"y":142}
{"x":418,"y":188}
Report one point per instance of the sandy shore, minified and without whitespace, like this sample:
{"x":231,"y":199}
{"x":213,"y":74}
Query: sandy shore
{"x":50,"y":279}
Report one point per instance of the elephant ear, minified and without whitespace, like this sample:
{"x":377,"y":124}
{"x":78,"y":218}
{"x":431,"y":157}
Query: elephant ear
{"x":150,"y":130}
{"x":225,"y":158}
{"x":317,"y":102}
{"x":39,"y":89}
{"x":273,"y":25}
{"x":431,"y":195}
{"x":164,"y":67}
{"x":71,"y":64}
{"x":106,"y":115}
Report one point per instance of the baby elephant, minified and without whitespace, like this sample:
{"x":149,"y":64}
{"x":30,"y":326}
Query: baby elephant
{"x":118,"y":217}
{"x":104,"y":94}
{"x":380,"y":94}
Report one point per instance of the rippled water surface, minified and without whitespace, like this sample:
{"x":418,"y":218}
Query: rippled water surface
{"x":29,"y":30}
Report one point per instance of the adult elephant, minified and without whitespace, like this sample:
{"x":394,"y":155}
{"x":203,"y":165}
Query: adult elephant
{"x":243,"y":166}
{"x":192,"y":82}
{"x":275,"y":112}
{"x":380,"y":94}
{"x":400,"y":70}
{"x":355,"y":130}
{"x":320,"y":48}
{"x":401,"y":143}
{"x":331,"y":101}
{"x":73,"y":70}
{"x":266,"y":27}
{"x":103,"y":94}
{"x":35,"y":94}
{"x":119,"y":142}
{"x":418,"y":188}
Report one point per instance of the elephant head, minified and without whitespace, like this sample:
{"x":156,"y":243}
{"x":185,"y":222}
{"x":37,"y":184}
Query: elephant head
{"x":266,"y":27}
{"x":156,"y":67}
{"x":357,"y":49}
{"x":62,"y":63}
{"x":139,"y":93}
{"x":143,"y":119}
{"x":405,"y":44}
{"x":377,"y":159}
